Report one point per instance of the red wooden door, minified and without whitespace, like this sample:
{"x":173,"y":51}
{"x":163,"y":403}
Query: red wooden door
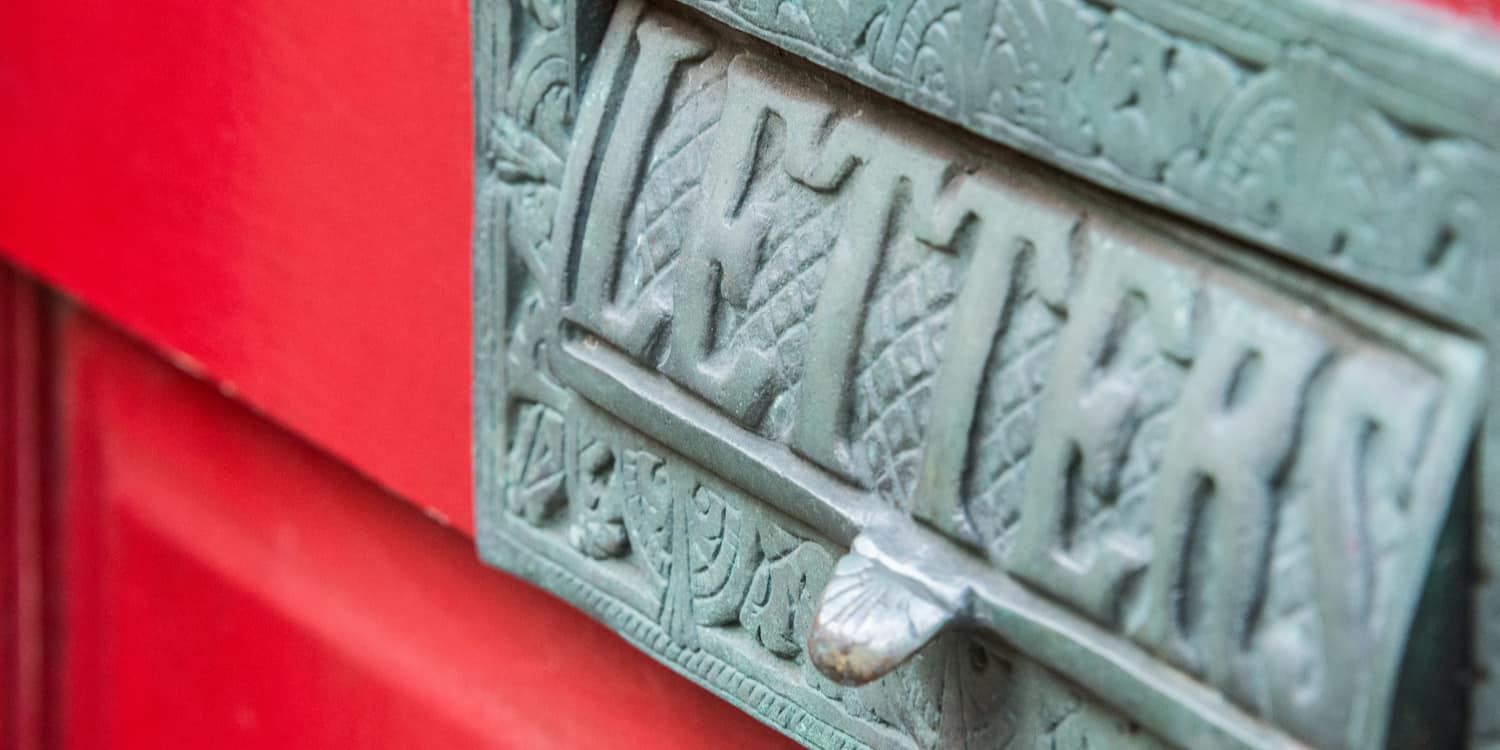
{"x":235,"y":437}
{"x":226,"y":584}
{"x":259,"y":520}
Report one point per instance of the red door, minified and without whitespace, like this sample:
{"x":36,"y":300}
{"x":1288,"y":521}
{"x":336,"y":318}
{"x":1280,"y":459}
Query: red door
{"x":235,"y":425}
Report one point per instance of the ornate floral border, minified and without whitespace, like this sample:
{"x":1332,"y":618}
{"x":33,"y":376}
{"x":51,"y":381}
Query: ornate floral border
{"x":1341,"y":137}
{"x":1291,"y":123}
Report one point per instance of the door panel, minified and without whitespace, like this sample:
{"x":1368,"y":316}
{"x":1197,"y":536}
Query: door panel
{"x":23,"y":485}
{"x":276,"y":193}
{"x":228,"y":585}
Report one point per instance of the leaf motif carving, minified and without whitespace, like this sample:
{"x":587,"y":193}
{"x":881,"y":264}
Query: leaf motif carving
{"x":647,"y":510}
{"x":779,"y":606}
{"x":1152,"y":97}
{"x":1230,"y":118}
{"x":1034,"y":50}
{"x":1250,"y":159}
{"x":598,"y":528}
{"x":929,"y":51}
{"x":536,"y":460}
{"x":725,"y":552}
{"x":518,"y":155}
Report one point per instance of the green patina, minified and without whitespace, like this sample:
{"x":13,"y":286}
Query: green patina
{"x":896,"y":437}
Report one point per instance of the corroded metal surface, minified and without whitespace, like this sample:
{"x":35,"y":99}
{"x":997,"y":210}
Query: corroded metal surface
{"x":894,"y":437}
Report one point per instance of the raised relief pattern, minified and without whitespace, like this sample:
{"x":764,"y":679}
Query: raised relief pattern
{"x":774,"y":323}
{"x":1349,"y":166}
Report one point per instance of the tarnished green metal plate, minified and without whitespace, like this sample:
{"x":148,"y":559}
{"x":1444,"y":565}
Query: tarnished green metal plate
{"x":898,"y":438}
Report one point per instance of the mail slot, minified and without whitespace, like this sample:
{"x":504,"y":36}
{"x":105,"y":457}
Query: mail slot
{"x":906,"y":409}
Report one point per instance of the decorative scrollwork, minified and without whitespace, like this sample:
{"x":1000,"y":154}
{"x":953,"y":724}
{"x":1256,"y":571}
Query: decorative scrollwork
{"x":749,"y":319}
{"x":1295,"y":148}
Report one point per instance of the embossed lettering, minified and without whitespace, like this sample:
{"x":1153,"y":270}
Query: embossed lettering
{"x":877,"y":186}
{"x":1168,"y":477}
{"x":1232,"y":434}
{"x":1131,"y":328}
{"x":1355,"y":479}
{"x":662,"y":50}
{"x":1009,"y":224}
{"x":724,"y":255}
